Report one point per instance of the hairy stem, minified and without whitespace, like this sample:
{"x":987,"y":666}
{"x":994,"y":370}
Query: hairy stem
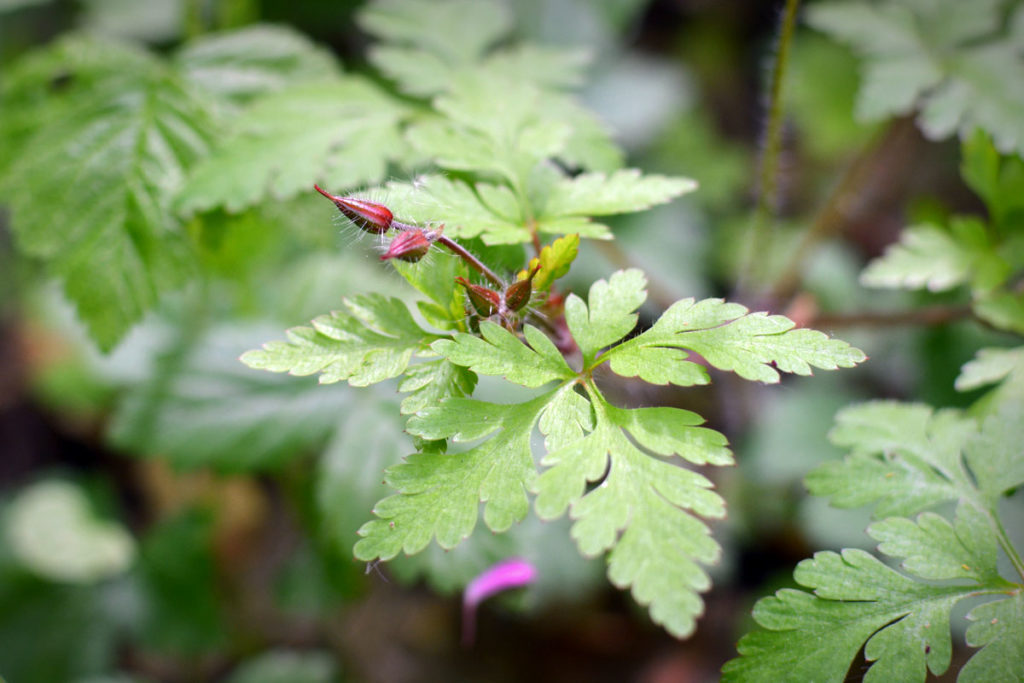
{"x":768,"y":171}
{"x":473,"y":262}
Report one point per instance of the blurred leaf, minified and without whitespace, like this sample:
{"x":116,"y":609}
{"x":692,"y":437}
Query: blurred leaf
{"x":153,"y":21}
{"x":991,"y":366}
{"x":202,"y":407}
{"x":90,"y":193}
{"x":905,"y":458}
{"x":341,"y":133}
{"x":1002,"y":309}
{"x":53,"y":532}
{"x":939,"y":57}
{"x":939,"y":258}
{"x":572,"y":200}
{"x":284,"y":666}
{"x":349,"y":480}
{"x":256,"y":60}
{"x":820,"y":92}
{"x":458,"y":31}
{"x":179,"y":584}
{"x":996,"y":179}
{"x":36,"y":647}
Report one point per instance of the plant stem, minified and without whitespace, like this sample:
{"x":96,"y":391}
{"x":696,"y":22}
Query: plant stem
{"x":836,"y":209}
{"x":1007,"y":546}
{"x":473,"y":262}
{"x":768,"y":172}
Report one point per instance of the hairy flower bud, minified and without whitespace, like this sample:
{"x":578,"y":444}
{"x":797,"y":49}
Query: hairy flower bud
{"x":367,"y":215}
{"x":487,"y":302}
{"x":518,"y":293}
{"x":409,"y":246}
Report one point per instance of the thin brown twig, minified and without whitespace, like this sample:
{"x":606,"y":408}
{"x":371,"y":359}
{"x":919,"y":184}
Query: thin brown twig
{"x":835,"y":212}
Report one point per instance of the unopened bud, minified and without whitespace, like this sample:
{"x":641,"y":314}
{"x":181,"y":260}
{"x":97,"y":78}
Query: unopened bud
{"x":409,"y":246}
{"x":367,"y":215}
{"x":487,"y":302}
{"x":518,"y":293}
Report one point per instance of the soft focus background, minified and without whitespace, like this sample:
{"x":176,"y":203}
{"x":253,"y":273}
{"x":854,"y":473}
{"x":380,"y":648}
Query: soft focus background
{"x":171,"y":515}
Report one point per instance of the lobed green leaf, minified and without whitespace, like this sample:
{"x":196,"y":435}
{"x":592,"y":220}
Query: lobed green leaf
{"x":250,"y":62}
{"x":499,"y":352}
{"x":372,"y":340}
{"x":939,"y":57}
{"x":90,"y":192}
{"x":439,"y":495}
{"x":756,"y":346}
{"x":338,"y":132}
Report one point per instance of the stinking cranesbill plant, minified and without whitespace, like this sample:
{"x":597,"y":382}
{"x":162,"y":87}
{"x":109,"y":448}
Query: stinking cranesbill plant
{"x":606,"y":465}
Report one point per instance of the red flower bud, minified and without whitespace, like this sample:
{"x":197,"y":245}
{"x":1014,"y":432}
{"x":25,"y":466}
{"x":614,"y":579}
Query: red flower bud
{"x":485,"y":301}
{"x":367,"y":215}
{"x":408,"y":245}
{"x":518,"y":293}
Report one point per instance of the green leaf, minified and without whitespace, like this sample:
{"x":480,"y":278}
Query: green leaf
{"x":284,"y":666}
{"x":429,"y":383}
{"x":905,"y":458}
{"x":644,"y":511}
{"x":994,"y":455}
{"x":599,"y":194}
{"x":439,"y":494}
{"x":457,"y":31}
{"x":998,"y":629}
{"x":989,"y":367}
{"x":998,"y":180}
{"x":253,"y":61}
{"x":178,"y":577}
{"x":53,"y":532}
{"x":938,"y":258}
{"x":90,"y":193}
{"x":341,"y":133}
{"x":951,"y":60}
{"x":856,"y":600}
{"x":554,"y":262}
{"x":434,"y":275}
{"x":36,"y":648}
{"x":934,"y":549}
{"x":611,"y":313}
{"x":491,"y":125}
{"x":501,"y":353}
{"x":756,"y":346}
{"x":483,"y":210}
{"x":371,"y":341}
{"x":1002,"y":309}
{"x":659,"y":365}
{"x":200,"y":407}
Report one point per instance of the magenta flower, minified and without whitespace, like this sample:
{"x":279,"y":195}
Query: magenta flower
{"x":511,"y":573}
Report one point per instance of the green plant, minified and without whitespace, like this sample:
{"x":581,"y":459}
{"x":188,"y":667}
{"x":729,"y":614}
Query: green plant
{"x":172,"y":195}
